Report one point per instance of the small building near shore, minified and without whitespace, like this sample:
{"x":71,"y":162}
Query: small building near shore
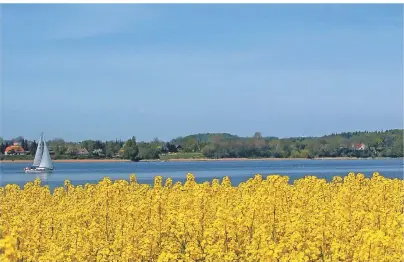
{"x":15,"y":149}
{"x":82,"y":152}
{"x":98,"y":152}
{"x":360,"y":146}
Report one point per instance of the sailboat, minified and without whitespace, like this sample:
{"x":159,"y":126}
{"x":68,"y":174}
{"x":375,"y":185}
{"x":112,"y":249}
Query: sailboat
{"x":42,"y":161}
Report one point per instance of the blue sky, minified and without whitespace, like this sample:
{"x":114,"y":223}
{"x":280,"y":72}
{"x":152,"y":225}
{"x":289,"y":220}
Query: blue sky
{"x":113,"y":71}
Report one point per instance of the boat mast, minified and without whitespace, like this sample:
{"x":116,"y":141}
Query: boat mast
{"x":39,"y":152}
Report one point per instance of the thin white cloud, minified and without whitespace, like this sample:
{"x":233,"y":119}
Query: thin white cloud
{"x":44,"y":22}
{"x":83,"y":21}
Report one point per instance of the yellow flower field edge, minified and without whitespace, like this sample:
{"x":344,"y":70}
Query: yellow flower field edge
{"x":351,"y":218}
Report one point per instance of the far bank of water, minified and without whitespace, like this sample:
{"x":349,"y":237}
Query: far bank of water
{"x":238,"y":171}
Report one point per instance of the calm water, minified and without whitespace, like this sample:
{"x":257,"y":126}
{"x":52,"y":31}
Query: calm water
{"x":238,"y":171}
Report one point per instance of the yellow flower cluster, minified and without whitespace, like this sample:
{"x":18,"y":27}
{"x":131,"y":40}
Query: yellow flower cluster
{"x":350,"y":218}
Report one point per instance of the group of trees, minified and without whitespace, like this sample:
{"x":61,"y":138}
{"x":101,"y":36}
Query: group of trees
{"x":223,"y":145}
{"x":147,"y":150}
{"x":376,"y":144}
{"x":95,"y":148}
{"x":130,"y":149}
{"x":62,"y":149}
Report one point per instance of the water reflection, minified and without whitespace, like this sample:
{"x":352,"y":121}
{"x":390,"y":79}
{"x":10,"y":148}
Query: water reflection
{"x":43,"y":177}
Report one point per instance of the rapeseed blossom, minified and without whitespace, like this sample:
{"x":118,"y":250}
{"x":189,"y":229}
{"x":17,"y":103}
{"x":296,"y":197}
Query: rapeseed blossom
{"x":350,"y":218}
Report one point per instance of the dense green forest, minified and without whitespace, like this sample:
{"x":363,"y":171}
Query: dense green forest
{"x":223,"y":145}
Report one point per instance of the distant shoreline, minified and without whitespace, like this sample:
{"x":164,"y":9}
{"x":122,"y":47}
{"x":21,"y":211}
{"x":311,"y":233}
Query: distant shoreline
{"x":194,"y":160}
{"x":69,"y":161}
{"x":263,"y":159}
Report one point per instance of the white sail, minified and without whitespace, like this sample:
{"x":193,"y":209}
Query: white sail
{"x":39,"y":152}
{"x":46,"y":161}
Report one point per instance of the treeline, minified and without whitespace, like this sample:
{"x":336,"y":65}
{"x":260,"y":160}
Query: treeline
{"x":351,"y":144}
{"x":61,"y":149}
{"x":223,"y":145}
{"x":93,"y":149}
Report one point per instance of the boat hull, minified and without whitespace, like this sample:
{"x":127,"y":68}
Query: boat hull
{"x":36,"y":171}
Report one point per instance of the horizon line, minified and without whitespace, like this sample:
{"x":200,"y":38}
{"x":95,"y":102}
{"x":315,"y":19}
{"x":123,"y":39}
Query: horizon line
{"x":212,"y":133}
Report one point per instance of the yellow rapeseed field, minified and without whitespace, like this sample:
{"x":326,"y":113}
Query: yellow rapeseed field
{"x":351,"y":218}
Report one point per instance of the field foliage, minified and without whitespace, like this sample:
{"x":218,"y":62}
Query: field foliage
{"x":351,"y":218}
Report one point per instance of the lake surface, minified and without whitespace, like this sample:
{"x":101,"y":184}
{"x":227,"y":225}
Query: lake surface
{"x":238,"y":171}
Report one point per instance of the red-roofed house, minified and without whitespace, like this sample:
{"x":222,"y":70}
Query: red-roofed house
{"x":15,"y":149}
{"x":360,"y":146}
